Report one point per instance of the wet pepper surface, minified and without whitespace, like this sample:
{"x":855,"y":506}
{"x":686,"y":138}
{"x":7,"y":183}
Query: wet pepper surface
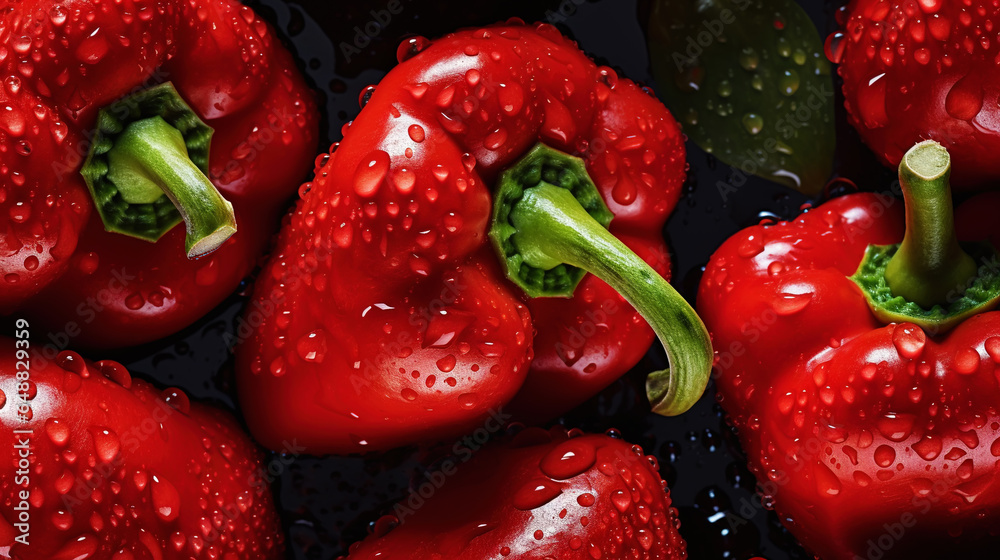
{"x":328,"y":503}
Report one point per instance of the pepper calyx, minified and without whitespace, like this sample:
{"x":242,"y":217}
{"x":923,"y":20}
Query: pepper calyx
{"x":550,"y":228}
{"x":526,"y":266}
{"x":147,"y":171}
{"x":983,"y":294}
{"x":928,"y":279}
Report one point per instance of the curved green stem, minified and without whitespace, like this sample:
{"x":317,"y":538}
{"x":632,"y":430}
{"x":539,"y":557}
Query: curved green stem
{"x":929,"y":263}
{"x":149,"y":160}
{"x":146,"y":171}
{"x":552,"y":228}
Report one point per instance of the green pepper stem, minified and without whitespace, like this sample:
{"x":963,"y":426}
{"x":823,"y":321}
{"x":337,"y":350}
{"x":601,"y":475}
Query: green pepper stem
{"x":552,"y":228}
{"x":149,"y":159}
{"x":929,"y":264}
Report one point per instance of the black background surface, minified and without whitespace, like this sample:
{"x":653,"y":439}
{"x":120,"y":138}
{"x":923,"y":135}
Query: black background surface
{"x":328,"y":503}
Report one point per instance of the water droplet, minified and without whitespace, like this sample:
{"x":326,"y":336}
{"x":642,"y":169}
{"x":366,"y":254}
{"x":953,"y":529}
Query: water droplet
{"x":725,"y":88}
{"x":624,"y":192}
{"x":834,"y":47}
{"x":365,"y":96}
{"x":115,"y":372}
{"x":404,"y":180}
{"x":410,"y":48}
{"x":621,"y":501}
{"x":827,"y":483}
{"x":417,"y":90}
{"x":930,"y":6}
{"x":22,"y":44}
{"x":511,"y":97}
{"x":312,"y":346}
{"x":929,"y":447}
{"x":81,"y":548}
{"x":416,"y":133}
{"x":909,"y":340}
{"x":790,"y":304}
{"x":177,"y":399}
{"x":536,"y":494}
{"x":166,"y":499}
{"x":568,"y":459}
{"x":106,"y":443}
{"x":753,"y":123}
{"x":749,"y":59}
{"x":871,"y":102}
{"x":19,"y":212}
{"x":57,"y":15}
{"x":496,"y":139}
{"x":896,"y":427}
{"x":972,"y":489}
{"x":607,"y":76}
{"x":93,"y":48}
{"x":468,"y":400}
{"x":788,"y":83}
{"x":752,"y":246}
{"x":277,"y":367}
{"x":992,"y":346}
{"x":57,"y":430}
{"x":447,"y":363}
{"x":965,"y":99}
{"x":13,"y":84}
{"x":885,"y":456}
{"x":967,"y":361}
{"x":134,"y":301}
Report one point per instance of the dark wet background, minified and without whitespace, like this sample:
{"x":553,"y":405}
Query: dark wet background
{"x":328,"y":503}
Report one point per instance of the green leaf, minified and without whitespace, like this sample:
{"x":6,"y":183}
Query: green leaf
{"x":749,"y":82}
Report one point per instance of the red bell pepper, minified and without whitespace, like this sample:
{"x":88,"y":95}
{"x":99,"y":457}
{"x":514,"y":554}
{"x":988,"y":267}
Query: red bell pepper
{"x":383,"y":318}
{"x":99,"y":465}
{"x":859,"y":364}
{"x":80,"y":82}
{"x":923,"y":69}
{"x":536,"y":496}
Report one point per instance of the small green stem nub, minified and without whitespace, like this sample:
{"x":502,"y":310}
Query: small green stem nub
{"x":146,"y":171}
{"x":929,"y":263}
{"x":149,"y":160}
{"x":540,"y":227}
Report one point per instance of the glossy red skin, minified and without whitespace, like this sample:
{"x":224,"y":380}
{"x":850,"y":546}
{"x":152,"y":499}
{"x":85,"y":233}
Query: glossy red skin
{"x":346,"y":252}
{"x":256,"y":170}
{"x":91,"y":494}
{"x":939,"y":81}
{"x":811,"y":391}
{"x":509,"y":502}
